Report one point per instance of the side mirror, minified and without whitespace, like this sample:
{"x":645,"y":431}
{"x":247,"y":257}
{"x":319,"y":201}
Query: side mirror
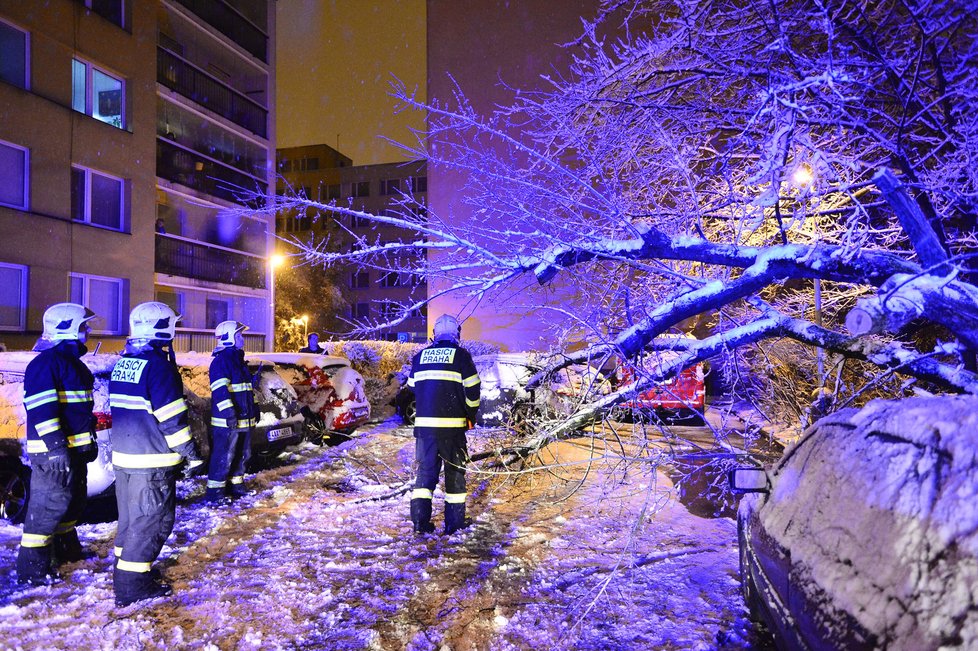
{"x":748,"y":479}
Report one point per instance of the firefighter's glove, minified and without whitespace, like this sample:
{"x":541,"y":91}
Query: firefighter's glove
{"x":58,"y":461}
{"x":89,"y":453}
{"x":194,"y":468}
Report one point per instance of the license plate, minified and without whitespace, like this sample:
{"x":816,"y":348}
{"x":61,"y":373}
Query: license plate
{"x":281,"y":433}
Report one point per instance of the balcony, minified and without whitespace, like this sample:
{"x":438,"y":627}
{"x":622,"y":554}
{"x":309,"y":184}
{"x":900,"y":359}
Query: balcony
{"x":195,"y":170}
{"x":232,"y":24}
{"x":181,"y":76}
{"x":178,"y":256}
{"x":186,"y":340}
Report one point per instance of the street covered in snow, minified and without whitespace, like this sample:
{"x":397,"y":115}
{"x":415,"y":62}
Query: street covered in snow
{"x":585,"y":553}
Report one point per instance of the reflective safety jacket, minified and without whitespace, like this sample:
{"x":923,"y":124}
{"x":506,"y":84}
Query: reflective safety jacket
{"x":58,"y":400}
{"x":446,"y":389}
{"x":150,"y":426}
{"x":232,"y":392}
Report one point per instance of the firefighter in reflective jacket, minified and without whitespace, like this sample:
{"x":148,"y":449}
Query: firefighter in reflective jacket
{"x":232,"y":413}
{"x":446,"y":389}
{"x":150,"y":440}
{"x":60,"y":443}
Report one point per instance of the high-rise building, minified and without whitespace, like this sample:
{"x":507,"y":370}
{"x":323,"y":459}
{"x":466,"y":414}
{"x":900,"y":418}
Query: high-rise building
{"x":125,"y":127}
{"x":372,"y":295}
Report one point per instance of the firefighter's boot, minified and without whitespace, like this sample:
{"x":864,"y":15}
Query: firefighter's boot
{"x":215,"y":495}
{"x":131,"y":587}
{"x":68,"y":549}
{"x":239,"y":490}
{"x":454,"y":517}
{"x":421,"y":516}
{"x":34,"y":566}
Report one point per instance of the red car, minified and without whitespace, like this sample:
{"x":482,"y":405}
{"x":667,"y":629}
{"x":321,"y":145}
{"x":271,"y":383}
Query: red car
{"x":682,"y":397}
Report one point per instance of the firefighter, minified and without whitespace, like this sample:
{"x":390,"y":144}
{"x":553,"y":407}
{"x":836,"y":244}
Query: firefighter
{"x":232,"y":413}
{"x":150,"y":440}
{"x":60,"y":443}
{"x":446,"y":389}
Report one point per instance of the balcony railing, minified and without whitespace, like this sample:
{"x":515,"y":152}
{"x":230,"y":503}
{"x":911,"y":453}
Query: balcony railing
{"x":179,"y":256}
{"x":232,"y":24}
{"x":195,"y":170}
{"x":178,"y":74}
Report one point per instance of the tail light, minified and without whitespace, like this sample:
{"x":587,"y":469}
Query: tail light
{"x":103,"y":420}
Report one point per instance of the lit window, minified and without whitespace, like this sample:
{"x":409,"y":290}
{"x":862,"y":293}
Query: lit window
{"x":97,"y":198}
{"x":103,"y":295}
{"x":13,"y":296}
{"x":97,"y":93}
{"x":13,"y":55}
{"x":13,"y":176}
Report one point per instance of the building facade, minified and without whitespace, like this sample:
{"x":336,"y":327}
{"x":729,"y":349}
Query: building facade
{"x":372,"y":295}
{"x":122,"y":124}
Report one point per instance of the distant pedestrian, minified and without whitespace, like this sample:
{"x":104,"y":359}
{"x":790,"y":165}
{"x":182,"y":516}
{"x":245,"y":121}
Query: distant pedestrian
{"x":446,"y":388}
{"x":60,"y":443}
{"x":160,"y":225}
{"x":150,"y":440}
{"x":312,"y":345}
{"x":232,"y":414}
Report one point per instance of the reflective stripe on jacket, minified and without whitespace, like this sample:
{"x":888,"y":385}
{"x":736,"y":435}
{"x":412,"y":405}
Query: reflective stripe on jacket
{"x":232,"y":393}
{"x":150,"y":422}
{"x":446,"y":389}
{"x":58,"y":400}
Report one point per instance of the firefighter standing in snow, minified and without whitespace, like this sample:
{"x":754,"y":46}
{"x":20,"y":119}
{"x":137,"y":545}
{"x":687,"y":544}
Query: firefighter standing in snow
{"x":150,"y":439}
{"x":232,"y":413}
{"x":60,"y":442}
{"x":446,"y":389}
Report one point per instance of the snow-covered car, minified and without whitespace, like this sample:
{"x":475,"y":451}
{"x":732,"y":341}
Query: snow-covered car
{"x":681,"y":397}
{"x":331,"y":392}
{"x":865,"y":534}
{"x":280,"y":421}
{"x":505,"y":400}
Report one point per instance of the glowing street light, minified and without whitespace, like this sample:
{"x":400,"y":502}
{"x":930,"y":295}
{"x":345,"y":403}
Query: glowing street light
{"x":803,"y":175}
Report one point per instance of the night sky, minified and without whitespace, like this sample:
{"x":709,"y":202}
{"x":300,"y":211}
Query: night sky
{"x":335,"y":59}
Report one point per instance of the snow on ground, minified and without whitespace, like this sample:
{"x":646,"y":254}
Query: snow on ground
{"x":321,"y":556}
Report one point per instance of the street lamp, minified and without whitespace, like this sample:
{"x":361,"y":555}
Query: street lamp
{"x":273,"y":261}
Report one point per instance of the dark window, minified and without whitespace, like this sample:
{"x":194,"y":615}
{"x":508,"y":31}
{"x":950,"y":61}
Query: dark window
{"x":333,"y":192}
{"x":97,"y":198}
{"x":360,"y":189}
{"x":360,"y":279}
{"x":111,"y":10}
{"x":419,"y":184}
{"x":217,"y":311}
{"x":390,"y":279}
{"x":13,"y":176}
{"x":13,"y":296}
{"x":13,"y":55}
{"x":361,"y":311}
{"x":390,"y":186}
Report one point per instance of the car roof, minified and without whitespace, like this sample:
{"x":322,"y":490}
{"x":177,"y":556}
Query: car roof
{"x":299,"y":359}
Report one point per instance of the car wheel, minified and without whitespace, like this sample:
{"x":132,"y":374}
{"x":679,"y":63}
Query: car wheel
{"x":15,"y":481}
{"x":314,"y":428}
{"x":410,"y":411}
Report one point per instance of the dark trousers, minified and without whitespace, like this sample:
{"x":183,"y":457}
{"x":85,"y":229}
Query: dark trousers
{"x":230,"y":452}
{"x":431,"y":450}
{"x":57,"y":499}
{"x":147,"y":510}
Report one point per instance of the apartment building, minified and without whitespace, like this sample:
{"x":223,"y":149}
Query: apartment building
{"x":324,"y":174}
{"x":123,"y":126}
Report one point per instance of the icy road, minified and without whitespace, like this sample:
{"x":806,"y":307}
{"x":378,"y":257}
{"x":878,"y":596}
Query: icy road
{"x":321,"y":556}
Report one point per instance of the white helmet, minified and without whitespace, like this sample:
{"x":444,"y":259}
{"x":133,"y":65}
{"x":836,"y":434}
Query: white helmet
{"x":447,"y":327}
{"x":62,"y":320}
{"x":226,"y":330}
{"x":153,"y":320}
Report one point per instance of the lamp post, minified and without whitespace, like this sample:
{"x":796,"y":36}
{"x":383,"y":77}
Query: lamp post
{"x":275,"y":260}
{"x":305,"y":326}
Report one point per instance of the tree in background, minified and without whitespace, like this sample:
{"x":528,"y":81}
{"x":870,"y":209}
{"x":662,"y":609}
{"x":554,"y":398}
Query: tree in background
{"x":788,"y":171}
{"x":307,"y":289}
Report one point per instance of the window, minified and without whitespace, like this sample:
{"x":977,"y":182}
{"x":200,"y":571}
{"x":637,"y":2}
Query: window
{"x":357,"y":221}
{"x":111,"y":10}
{"x":390,"y":279}
{"x":103,"y":295}
{"x":361,"y":311}
{"x":360,"y":189}
{"x":360,"y":279}
{"x":389,"y":311}
{"x":13,"y":296}
{"x":97,"y":198}
{"x":176,"y":300}
{"x":390,"y":186}
{"x":97,"y":93}
{"x":419,"y":184}
{"x":13,"y":55}
{"x":330,"y":192}
{"x":13,"y":175}
{"x":216,"y":311}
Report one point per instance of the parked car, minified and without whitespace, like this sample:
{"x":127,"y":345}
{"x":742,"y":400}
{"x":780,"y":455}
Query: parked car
{"x":679,"y":398}
{"x":865,"y":534}
{"x":331,"y":392}
{"x":279,"y":424}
